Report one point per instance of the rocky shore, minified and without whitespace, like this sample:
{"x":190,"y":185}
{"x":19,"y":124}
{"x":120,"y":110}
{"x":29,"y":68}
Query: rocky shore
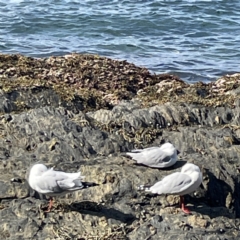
{"x":82,"y":112}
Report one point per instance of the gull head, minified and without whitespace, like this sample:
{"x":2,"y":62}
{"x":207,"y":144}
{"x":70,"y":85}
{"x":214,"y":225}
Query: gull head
{"x":168,"y":147}
{"x":38,"y":169}
{"x":189,"y":168}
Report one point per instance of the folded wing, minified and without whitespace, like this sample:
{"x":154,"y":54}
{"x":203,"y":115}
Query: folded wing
{"x":175,"y":183}
{"x":70,"y":184}
{"x":153,"y":156}
{"x":54,"y":182}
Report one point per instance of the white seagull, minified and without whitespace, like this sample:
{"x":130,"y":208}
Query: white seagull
{"x":52,"y":183}
{"x":155,"y":157}
{"x":178,"y":183}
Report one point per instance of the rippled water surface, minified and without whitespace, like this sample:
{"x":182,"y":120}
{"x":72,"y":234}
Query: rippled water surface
{"x":197,"y":40}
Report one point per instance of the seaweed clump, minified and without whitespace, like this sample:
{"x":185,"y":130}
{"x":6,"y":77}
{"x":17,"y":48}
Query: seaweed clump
{"x":97,"y":82}
{"x":222,"y":92}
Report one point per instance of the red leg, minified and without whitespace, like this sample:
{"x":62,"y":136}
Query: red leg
{"x":184,"y":209}
{"x":50,"y":205}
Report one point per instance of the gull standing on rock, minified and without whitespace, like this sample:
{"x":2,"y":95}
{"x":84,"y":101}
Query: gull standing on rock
{"x":155,"y":157}
{"x":53,"y":183}
{"x":178,"y":183}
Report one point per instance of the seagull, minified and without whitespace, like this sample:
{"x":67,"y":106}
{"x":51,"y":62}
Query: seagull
{"x":53,"y":183}
{"x":155,"y":157}
{"x":178,"y":183}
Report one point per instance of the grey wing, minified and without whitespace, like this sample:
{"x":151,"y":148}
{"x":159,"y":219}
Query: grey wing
{"x":70,"y":184}
{"x":158,"y":156}
{"x":174,"y":183}
{"x":58,"y":182}
{"x":152,"y":157}
{"x":48,"y":184}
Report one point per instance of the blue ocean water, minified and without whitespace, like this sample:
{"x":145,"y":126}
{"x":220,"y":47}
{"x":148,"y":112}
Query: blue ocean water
{"x":197,"y":40}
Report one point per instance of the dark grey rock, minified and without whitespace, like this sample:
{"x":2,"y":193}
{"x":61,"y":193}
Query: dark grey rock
{"x":94,"y":143}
